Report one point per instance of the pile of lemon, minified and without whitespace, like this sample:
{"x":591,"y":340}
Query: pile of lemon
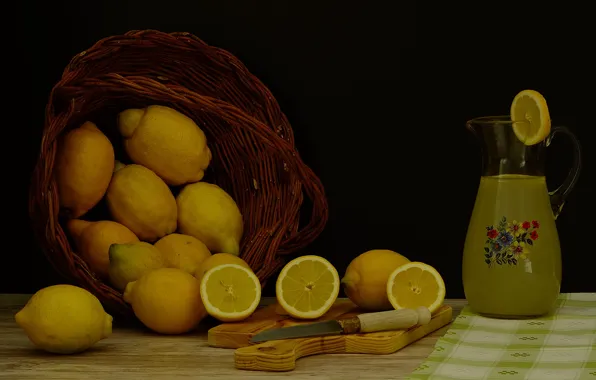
{"x":166,"y":228}
{"x":155,"y":194}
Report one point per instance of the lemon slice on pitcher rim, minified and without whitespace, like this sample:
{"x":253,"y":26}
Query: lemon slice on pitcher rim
{"x":307,"y":287}
{"x":530,"y":117}
{"x":416,"y":284}
{"x":230,"y":292}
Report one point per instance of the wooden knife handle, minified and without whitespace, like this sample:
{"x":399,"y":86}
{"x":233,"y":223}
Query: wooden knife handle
{"x":386,"y":320}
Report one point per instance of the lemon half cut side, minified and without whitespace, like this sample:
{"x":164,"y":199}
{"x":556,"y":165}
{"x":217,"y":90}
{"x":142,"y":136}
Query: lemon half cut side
{"x":307,"y":287}
{"x":416,"y":284}
{"x":230,"y":292}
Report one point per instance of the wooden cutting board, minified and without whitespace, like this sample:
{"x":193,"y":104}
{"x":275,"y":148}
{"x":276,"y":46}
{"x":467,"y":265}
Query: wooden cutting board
{"x":281,"y":355}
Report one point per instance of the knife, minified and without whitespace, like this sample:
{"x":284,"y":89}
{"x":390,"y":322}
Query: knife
{"x":363,"y":323}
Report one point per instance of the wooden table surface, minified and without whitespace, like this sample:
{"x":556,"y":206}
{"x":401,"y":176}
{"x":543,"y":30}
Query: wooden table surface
{"x":137,"y":354}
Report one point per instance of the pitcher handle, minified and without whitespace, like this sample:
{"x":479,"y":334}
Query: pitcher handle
{"x":560,"y":194}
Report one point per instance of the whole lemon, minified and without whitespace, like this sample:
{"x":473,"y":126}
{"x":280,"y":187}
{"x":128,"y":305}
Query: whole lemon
{"x":140,"y":200}
{"x":64,"y":319}
{"x":165,"y":141}
{"x":166,"y":300}
{"x":182,"y":251}
{"x":365,"y":280}
{"x":218,"y":259}
{"x":208,"y":213}
{"x":83,"y":168}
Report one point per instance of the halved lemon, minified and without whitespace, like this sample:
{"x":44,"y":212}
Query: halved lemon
{"x":530,"y":116}
{"x":230,"y":292}
{"x":307,"y":287}
{"x":416,"y":284}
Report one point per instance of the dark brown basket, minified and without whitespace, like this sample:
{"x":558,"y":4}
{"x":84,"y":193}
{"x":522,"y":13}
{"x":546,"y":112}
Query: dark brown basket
{"x":254,"y":157}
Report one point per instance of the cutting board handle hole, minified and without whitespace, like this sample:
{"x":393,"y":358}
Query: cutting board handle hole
{"x":266,"y":349}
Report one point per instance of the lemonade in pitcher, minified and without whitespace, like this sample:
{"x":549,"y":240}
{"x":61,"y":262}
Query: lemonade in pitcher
{"x":512,"y":256}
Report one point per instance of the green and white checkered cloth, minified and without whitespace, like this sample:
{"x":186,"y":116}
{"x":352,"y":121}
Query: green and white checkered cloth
{"x":561,"y":346}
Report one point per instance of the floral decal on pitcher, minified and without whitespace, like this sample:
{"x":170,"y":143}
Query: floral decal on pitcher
{"x":510,"y":242}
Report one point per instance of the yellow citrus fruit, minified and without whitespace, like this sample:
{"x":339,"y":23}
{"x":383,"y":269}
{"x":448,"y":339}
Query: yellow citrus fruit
{"x":140,"y":200}
{"x":166,"y":300}
{"x":218,"y":259}
{"x":307,"y":287}
{"x":230,"y":292}
{"x":208,"y":213}
{"x":83,"y":168}
{"x":64,"y":319}
{"x":165,"y":141}
{"x":530,"y":117}
{"x":365,"y":280}
{"x":416,"y":284}
{"x":183,"y":251}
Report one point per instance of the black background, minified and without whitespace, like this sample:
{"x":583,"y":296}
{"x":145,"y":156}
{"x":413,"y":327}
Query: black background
{"x":377,"y":92}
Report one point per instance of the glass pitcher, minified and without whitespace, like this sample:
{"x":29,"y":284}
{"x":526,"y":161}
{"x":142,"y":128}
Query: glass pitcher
{"x":512,"y":257}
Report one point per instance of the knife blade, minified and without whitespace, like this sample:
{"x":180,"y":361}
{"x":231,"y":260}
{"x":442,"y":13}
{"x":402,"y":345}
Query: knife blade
{"x":363,"y":323}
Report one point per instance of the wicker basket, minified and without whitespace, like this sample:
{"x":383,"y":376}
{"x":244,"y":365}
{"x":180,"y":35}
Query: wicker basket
{"x":254,"y":157}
